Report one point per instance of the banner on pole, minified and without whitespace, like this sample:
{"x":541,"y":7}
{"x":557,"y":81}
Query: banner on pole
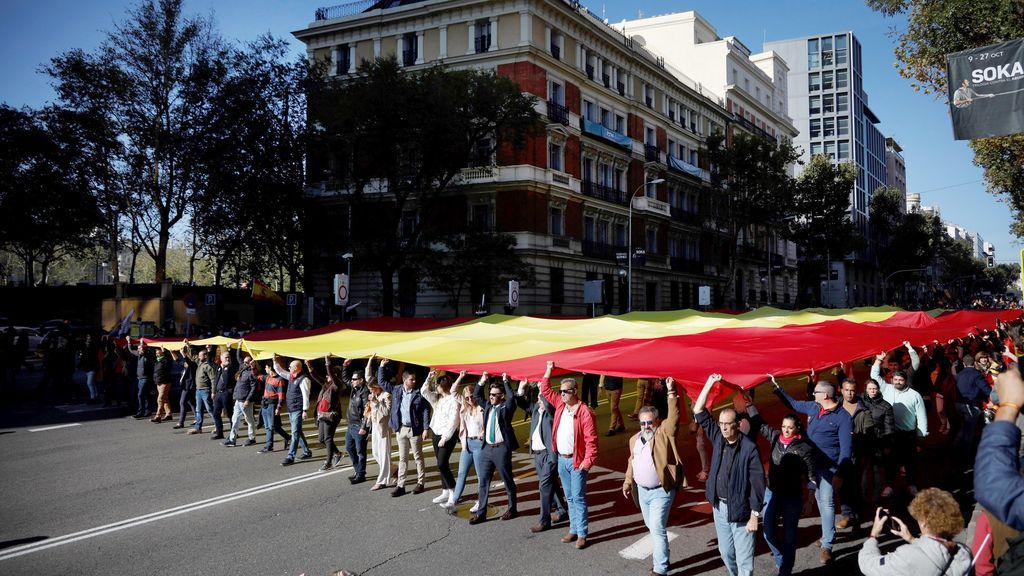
{"x":986,"y":90}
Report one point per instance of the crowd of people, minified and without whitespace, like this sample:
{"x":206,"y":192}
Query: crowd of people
{"x":850,"y":450}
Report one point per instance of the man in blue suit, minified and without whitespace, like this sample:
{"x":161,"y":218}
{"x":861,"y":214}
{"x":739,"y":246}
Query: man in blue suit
{"x":545,"y":460}
{"x":499,"y":443}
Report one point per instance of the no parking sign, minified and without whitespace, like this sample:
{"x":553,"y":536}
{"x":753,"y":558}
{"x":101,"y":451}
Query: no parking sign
{"x":341,"y":289}
{"x":513,"y":293}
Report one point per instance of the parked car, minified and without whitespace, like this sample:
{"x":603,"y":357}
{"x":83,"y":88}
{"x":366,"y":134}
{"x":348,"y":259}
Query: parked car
{"x":33,"y":338}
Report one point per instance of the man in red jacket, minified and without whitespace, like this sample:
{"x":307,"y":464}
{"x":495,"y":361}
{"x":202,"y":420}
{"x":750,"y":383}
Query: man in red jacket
{"x":575,"y":440}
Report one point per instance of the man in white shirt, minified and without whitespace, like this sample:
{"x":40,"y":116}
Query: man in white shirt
{"x":909,"y":414}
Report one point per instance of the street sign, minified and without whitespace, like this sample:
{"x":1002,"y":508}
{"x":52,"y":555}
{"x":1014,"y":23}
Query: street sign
{"x":190,"y":311}
{"x":513,"y":293}
{"x":341,"y":289}
{"x":704,"y":295}
{"x":593,"y":291}
{"x":291,"y":299}
{"x":210,"y":299}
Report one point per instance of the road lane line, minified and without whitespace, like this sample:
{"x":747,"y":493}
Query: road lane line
{"x":163,"y":514}
{"x":54,"y":427}
{"x":642,"y":548}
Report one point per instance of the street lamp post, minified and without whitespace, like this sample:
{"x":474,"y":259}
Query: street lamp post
{"x":629,"y":244}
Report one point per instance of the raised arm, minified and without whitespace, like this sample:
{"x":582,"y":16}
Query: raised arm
{"x":702,"y":398}
{"x":915,"y":360}
{"x":802,"y":406}
{"x":671,"y":421}
{"x":510,"y":397}
{"x":313,"y":374}
{"x":279,"y":368}
{"x":427,"y":390}
{"x":876,"y":368}
{"x":521,"y":399}
{"x":479,"y":390}
{"x":545,"y":389}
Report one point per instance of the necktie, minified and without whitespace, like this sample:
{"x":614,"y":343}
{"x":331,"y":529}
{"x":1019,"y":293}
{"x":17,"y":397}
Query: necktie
{"x":492,"y":426}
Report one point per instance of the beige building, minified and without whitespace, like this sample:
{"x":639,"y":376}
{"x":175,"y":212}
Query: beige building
{"x":617,"y":117}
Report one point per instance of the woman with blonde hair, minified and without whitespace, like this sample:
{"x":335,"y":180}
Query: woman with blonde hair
{"x":378,"y":411}
{"x":933,"y":553}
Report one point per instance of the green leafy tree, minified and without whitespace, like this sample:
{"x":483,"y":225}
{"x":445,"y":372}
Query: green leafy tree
{"x":393,"y":142}
{"x":937,"y":28}
{"x":820,"y":225}
{"x":476,"y":259}
{"x":753,"y":190}
{"x":46,"y":212}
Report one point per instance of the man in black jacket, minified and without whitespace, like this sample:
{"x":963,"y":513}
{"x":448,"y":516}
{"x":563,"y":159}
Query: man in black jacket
{"x":880,"y":449}
{"x":545,"y":460}
{"x":224,"y":393}
{"x":736,"y":485}
{"x":245,"y":394}
{"x":358,"y":425}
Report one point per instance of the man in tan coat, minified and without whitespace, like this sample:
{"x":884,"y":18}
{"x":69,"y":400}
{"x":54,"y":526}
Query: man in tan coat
{"x":655,"y":472}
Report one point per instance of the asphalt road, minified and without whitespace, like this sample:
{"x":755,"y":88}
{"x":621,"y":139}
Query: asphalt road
{"x":112,"y":495}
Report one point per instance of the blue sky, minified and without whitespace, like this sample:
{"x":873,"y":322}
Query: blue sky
{"x":940,"y":168}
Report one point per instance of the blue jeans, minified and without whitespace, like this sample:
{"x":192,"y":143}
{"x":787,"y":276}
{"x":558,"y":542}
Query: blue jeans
{"x":788,"y":508}
{"x":470,"y":455}
{"x":574,"y":484}
{"x":202,"y":402}
{"x":355,"y":445}
{"x":655,"y":504}
{"x":735,"y":544}
{"x":295,"y":420}
{"x":272,"y":423}
{"x":826,"y":508}
{"x":143,"y":397}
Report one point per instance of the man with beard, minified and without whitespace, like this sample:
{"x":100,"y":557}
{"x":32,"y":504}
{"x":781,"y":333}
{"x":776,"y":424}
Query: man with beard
{"x":909,"y":414}
{"x":654,"y":473}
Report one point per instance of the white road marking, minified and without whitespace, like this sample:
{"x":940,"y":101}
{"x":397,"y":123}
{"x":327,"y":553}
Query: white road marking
{"x":54,"y":427}
{"x":161,"y":515}
{"x":642,"y":548}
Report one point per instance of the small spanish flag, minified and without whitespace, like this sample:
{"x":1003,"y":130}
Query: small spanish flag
{"x":261,"y":291}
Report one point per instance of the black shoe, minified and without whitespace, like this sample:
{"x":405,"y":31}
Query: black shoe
{"x":357,"y":479}
{"x":229,"y":442}
{"x":217,"y":437}
{"x":419,"y":489}
{"x":177,"y":426}
{"x":288,"y":462}
{"x":249,"y":442}
{"x":510,"y":514}
{"x":610,"y":433}
{"x":337,"y":459}
{"x":477,"y":518}
{"x":264,"y":450}
{"x":306,"y":456}
{"x":400,"y":491}
{"x":325,"y":466}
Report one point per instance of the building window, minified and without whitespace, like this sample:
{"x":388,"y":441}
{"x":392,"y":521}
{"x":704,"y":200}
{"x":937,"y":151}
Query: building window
{"x":606,"y":118}
{"x":342,"y":59}
{"x":842,"y":79}
{"x":815,"y":131}
{"x":556,"y":93}
{"x":588,"y":169}
{"x":482,"y":217}
{"x":589,"y":110}
{"x":828,"y":105}
{"x":813,"y":60}
{"x":814,"y":81}
{"x":826,"y":51}
{"x":826,"y":80}
{"x":555,"y":151}
{"x":829,"y":130}
{"x":620,"y":234}
{"x":652,"y":241}
{"x":408,"y":224}
{"x":482,"y":36}
{"x":556,"y":45}
{"x":815,"y":149}
{"x":620,"y":123}
{"x":841,"y":50}
{"x":409,"y":50}
{"x":842,"y":102}
{"x":814,"y":106}
{"x":842,"y":126}
{"x":556,"y":225}
{"x":830,"y":150}
{"x":844,"y":150}
{"x":481,"y":153}
{"x":588,"y":228}
{"x":557,"y":286}
{"x":602,"y":231}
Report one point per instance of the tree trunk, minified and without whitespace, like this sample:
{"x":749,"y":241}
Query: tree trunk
{"x":160,"y":258}
{"x":29,"y":278}
{"x":44,"y":271}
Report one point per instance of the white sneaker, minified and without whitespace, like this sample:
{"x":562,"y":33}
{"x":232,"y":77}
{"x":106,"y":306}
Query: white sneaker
{"x":475,"y":508}
{"x":449,"y":507}
{"x":443,"y":497}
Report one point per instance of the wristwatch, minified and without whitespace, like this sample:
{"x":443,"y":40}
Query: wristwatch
{"x":755,"y":514}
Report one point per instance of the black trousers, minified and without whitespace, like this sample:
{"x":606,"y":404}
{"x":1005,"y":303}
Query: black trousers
{"x":588,"y":392}
{"x":443,"y":453}
{"x":904,"y":451}
{"x":549,"y":485}
{"x":222,"y":402}
{"x":499,"y":457}
{"x":188,"y":400}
